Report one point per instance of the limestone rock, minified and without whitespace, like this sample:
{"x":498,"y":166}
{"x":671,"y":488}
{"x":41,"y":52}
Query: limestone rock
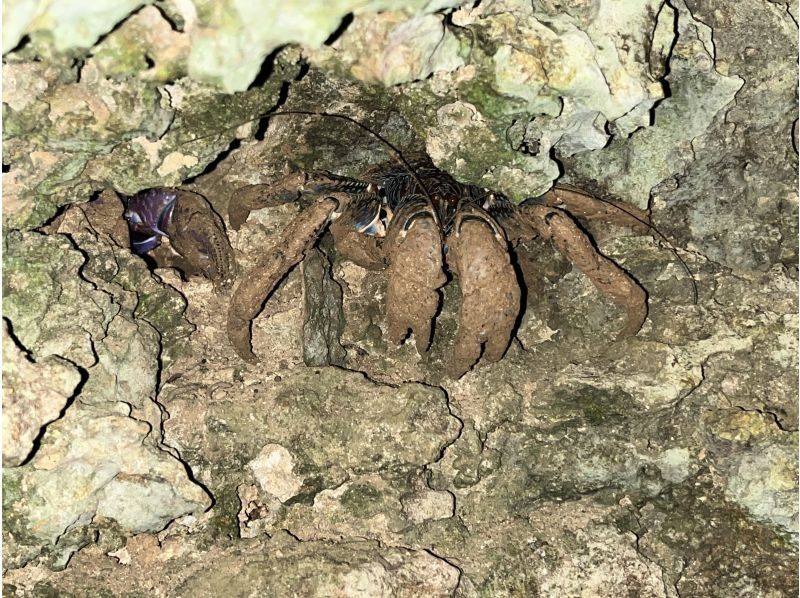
{"x":102,"y":459}
{"x":34,"y":393}
{"x":662,"y":465}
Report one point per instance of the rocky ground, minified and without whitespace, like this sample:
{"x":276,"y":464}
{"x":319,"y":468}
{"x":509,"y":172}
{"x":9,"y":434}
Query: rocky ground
{"x":143,"y":457}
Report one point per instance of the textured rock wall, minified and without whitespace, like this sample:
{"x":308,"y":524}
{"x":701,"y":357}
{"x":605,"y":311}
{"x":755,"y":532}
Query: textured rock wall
{"x":140,"y":454}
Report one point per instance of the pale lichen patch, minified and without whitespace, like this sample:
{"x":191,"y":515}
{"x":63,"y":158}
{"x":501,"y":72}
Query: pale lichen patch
{"x":274,"y":472}
{"x":174,"y":161}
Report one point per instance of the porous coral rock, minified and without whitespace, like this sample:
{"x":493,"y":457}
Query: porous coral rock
{"x":653,"y":154}
{"x":573,"y":79}
{"x":34,"y":393}
{"x":102,"y":458}
{"x":391,"y":48}
{"x":663,"y":465}
{"x":69,"y":23}
{"x":280,"y":565}
{"x":124,"y":133}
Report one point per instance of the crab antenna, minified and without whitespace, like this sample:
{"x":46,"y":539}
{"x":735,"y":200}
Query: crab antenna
{"x":663,"y":237}
{"x":672,"y":249}
{"x":364,"y":127}
{"x":378,"y":136}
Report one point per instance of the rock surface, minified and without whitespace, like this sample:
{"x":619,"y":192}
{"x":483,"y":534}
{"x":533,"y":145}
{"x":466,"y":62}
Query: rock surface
{"x":141,"y":455}
{"x":98,"y":463}
{"x":34,"y":395}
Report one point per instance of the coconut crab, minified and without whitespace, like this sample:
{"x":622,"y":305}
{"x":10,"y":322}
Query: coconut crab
{"x":416,"y":221}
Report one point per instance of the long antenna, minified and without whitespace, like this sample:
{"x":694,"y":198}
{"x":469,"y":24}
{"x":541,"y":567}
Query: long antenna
{"x":350,"y":119}
{"x":672,"y":248}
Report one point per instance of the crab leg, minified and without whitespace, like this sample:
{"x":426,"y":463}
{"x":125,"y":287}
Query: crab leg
{"x":578,"y":203}
{"x":415,"y":273}
{"x":611,"y":280}
{"x":490,"y":293}
{"x":358,"y":234}
{"x":286,"y":189}
{"x":253,"y":197}
{"x":289,"y":249}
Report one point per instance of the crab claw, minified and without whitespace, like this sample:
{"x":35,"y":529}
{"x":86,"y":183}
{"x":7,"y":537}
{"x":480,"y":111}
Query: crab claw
{"x":289,"y":249}
{"x":357,"y":233}
{"x":611,"y":280}
{"x":490,"y":293}
{"x":415,"y":273}
{"x":198,"y":235}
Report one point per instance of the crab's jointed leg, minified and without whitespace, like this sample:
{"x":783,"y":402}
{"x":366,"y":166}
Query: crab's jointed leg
{"x":611,"y":280}
{"x":415,"y":272}
{"x":253,"y":197}
{"x":287,"y":189}
{"x":362,"y":250}
{"x":289,"y":249}
{"x":490,"y":293}
{"x":583,"y":205}
{"x":358,"y":235}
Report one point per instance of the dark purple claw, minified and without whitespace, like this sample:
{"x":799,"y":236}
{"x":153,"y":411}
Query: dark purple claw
{"x":143,"y":245}
{"x":148,"y":215}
